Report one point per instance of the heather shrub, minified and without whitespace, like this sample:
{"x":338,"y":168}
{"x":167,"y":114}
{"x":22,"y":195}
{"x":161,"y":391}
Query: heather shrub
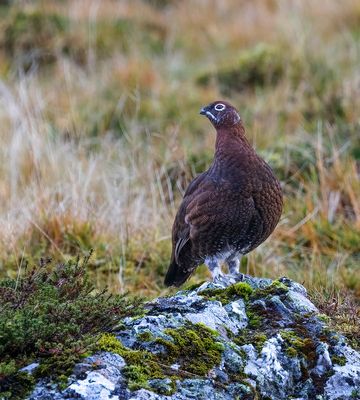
{"x":53,"y":316}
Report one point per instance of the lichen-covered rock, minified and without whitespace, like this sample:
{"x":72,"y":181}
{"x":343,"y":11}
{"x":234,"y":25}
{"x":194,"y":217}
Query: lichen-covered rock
{"x":248,"y":339}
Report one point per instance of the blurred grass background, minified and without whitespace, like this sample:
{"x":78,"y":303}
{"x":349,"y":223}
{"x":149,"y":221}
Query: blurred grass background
{"x":100,"y":132}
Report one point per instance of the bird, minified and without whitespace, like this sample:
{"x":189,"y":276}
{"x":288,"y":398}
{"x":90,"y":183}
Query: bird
{"x":228,"y":210}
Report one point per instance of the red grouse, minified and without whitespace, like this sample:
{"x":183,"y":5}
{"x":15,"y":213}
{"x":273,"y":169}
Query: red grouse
{"x":228,"y":210}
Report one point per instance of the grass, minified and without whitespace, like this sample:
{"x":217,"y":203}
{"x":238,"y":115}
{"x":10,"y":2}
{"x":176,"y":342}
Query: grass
{"x":101,"y":134}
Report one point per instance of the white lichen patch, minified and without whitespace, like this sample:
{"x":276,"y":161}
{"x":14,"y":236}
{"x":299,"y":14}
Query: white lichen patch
{"x":323,"y":359}
{"x":274,"y":374}
{"x":215,"y":316}
{"x":237,"y":312}
{"x":297,"y":302}
{"x":95,"y":384}
{"x":344,"y":384}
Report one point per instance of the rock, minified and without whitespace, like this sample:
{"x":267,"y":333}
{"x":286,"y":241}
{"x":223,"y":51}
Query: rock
{"x":345,"y":381}
{"x":251,"y":339}
{"x":30,"y":368}
{"x":87,"y":383}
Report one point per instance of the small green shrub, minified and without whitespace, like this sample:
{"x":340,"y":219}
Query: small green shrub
{"x":33,"y":35}
{"x":16,"y":386}
{"x":261,"y":65}
{"x":54,"y":317}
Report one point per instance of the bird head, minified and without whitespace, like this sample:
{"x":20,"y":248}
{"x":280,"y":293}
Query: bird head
{"x":221,"y":114}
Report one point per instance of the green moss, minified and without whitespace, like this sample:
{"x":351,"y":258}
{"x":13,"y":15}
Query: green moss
{"x":145,"y":336}
{"x":259,"y":340}
{"x":339,"y":360}
{"x":141,"y":365}
{"x":291,"y":351}
{"x":231,"y":293}
{"x":254,"y":320}
{"x":194,"y":347}
{"x":276,"y":288}
{"x":297,"y":345}
{"x":137,"y":376}
{"x":247,"y":336}
{"x":109,"y":342}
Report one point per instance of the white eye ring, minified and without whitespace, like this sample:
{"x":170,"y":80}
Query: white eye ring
{"x":220,"y":107}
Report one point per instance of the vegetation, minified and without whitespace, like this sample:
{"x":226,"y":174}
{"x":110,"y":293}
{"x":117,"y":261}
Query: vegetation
{"x":100,"y":134}
{"x":295,"y":344}
{"x":52,"y":316}
{"x":258,"y":66}
{"x":193,"y":347}
{"x":232,"y":292}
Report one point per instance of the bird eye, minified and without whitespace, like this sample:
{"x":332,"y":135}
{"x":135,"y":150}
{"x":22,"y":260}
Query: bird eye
{"x":220,"y":107}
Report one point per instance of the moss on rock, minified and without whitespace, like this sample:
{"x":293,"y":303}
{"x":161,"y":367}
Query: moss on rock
{"x":297,"y":345}
{"x":339,"y":360}
{"x":145,"y":336}
{"x":194,"y":347}
{"x":141,"y":365}
{"x":254,"y":319}
{"x":247,"y":336}
{"x":231,"y":293}
{"x":276,"y":288}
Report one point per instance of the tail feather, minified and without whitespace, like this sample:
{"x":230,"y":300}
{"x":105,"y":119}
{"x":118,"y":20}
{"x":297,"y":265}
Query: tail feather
{"x":176,"y":276}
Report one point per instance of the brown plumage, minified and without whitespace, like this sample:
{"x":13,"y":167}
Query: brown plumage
{"x":228,"y":210}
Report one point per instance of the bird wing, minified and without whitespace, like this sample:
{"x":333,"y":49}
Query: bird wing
{"x":210,"y":206}
{"x":218,"y":210}
{"x":181,"y":229}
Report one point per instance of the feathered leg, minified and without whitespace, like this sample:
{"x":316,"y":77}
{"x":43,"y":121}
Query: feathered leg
{"x":233,"y":263}
{"x":214,"y":267}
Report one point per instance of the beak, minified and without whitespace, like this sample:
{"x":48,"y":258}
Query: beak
{"x":203,"y":111}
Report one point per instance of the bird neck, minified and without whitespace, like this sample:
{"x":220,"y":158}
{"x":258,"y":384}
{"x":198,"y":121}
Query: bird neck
{"x":231,"y":140}
{"x":232,"y":152}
